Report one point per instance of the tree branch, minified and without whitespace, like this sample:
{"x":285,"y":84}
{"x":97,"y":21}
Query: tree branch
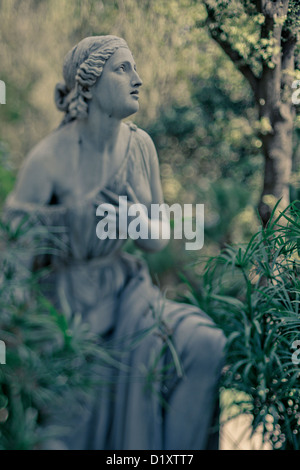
{"x":216,"y":32}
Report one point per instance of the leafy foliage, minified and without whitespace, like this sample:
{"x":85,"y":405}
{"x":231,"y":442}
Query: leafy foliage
{"x":253,"y":294}
{"x":50,"y":359}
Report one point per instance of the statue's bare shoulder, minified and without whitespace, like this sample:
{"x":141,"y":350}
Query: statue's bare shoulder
{"x":53,"y":149}
{"x":44,"y":165}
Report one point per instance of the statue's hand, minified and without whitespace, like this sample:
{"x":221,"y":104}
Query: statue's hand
{"x":121,"y":208}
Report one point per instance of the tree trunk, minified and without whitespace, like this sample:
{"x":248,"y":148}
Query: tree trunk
{"x":272,"y":91}
{"x":277,"y":150}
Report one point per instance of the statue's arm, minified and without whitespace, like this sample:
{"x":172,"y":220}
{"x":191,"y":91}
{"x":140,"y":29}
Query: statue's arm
{"x":34,"y":187}
{"x":34,"y":184}
{"x":28,"y":206}
{"x":157,"y":198}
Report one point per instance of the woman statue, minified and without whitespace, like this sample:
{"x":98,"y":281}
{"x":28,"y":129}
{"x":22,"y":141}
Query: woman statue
{"x":91,"y":159}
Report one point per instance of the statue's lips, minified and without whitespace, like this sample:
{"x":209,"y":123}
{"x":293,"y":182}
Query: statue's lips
{"x":135,"y":94}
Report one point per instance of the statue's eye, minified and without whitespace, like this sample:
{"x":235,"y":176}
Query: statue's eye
{"x":122,"y":67}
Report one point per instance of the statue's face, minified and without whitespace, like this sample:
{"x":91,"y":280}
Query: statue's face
{"x":117,"y":90}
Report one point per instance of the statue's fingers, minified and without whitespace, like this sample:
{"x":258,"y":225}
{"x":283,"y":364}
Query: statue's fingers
{"x":131,"y":194}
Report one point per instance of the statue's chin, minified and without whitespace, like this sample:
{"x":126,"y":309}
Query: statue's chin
{"x":130,"y":110}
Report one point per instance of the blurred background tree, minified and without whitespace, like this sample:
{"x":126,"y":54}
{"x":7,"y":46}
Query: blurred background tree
{"x":261,"y":39}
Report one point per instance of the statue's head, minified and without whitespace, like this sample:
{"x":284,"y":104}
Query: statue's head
{"x":82,"y":68}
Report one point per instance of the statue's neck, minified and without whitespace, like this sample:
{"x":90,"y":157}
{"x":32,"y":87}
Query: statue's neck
{"x":100,"y":130}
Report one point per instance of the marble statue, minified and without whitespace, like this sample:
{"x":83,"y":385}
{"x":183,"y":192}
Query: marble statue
{"x":92,"y":158}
